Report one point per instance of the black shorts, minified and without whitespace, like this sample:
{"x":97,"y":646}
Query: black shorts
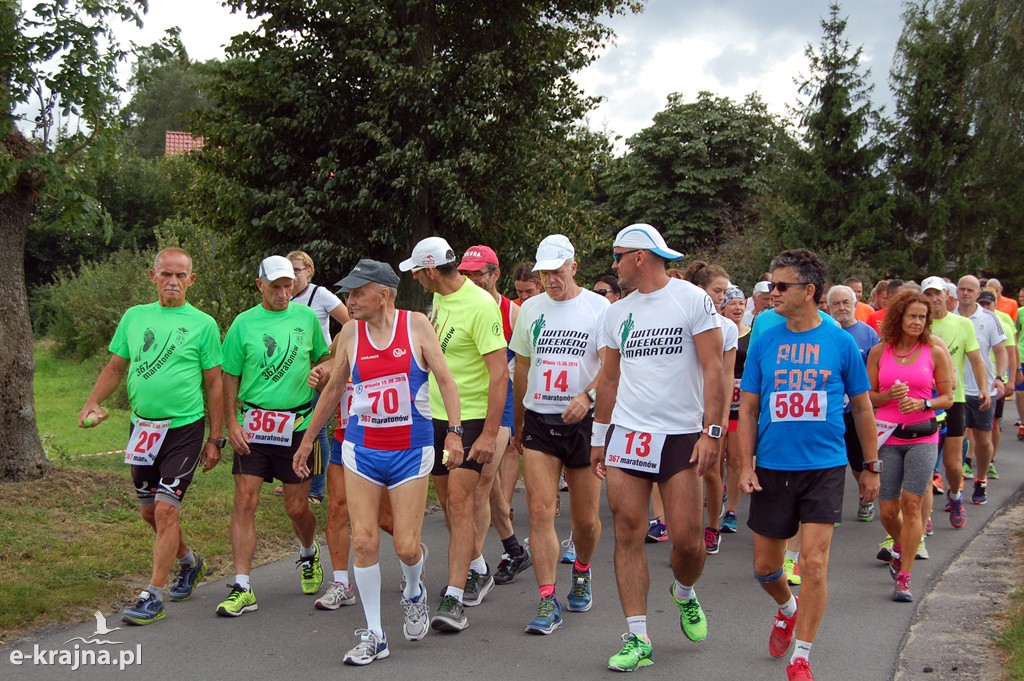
{"x":471,"y":430}
{"x":169,"y":476}
{"x":548,"y":434}
{"x":675,"y":456}
{"x":956,"y":420}
{"x":999,"y":408}
{"x":272,"y":461}
{"x":976,"y":418}
{"x":788,"y":498}
{"x":854,"y":451}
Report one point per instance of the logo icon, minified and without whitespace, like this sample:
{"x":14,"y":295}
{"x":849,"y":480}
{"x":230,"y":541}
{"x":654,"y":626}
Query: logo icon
{"x":625,"y":329}
{"x":399,"y":352}
{"x":101,"y":630}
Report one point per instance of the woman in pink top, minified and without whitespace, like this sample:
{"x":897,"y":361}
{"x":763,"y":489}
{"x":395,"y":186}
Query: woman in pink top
{"x":911,"y":377}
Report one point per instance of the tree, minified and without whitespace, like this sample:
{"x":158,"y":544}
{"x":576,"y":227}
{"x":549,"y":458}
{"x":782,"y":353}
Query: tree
{"x":64,"y":54}
{"x":835,"y":179}
{"x":399,"y":119}
{"x":696,"y":168}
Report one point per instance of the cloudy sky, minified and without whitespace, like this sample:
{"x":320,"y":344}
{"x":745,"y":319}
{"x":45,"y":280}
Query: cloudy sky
{"x":729,"y":47}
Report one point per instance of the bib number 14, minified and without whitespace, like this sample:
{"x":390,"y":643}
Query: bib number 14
{"x":799,"y":405}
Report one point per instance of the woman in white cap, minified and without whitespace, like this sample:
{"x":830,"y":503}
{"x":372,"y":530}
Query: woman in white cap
{"x":732,"y":311}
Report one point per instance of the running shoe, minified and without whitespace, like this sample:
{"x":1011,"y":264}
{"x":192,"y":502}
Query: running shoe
{"x":312,"y":571}
{"x":968,"y":472}
{"x":957,"y":513}
{"x":781,"y":637}
{"x":477,"y":586}
{"x":145,"y":611}
{"x":509,"y":567}
{"x":799,"y":670}
{"x":728,"y":523}
{"x":450,"y":616}
{"x":979,"y":497}
{"x":929,"y":528}
{"x":569,"y":556}
{"x":901,"y":590}
{"x":993,"y":474}
{"x":712,"y":540}
{"x":895,"y":565}
{"x":885,"y":550}
{"x":185,"y":583}
{"x":563,"y":486}
{"x":417,"y":616}
{"x":922,"y":551}
{"x":866,"y":512}
{"x":691,"y":616}
{"x":792,"y":570}
{"x":635,"y":653}
{"x":370,"y":647}
{"x":548,"y":618}
{"x":337,"y":595}
{"x":580,"y":596}
{"x":238,"y":602}
{"x":937,"y":484}
{"x":656,"y":531}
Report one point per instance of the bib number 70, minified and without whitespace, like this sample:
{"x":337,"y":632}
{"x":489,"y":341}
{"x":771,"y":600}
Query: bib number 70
{"x":799,"y":405}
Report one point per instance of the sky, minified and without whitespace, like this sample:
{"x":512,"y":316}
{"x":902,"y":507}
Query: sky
{"x":728,"y":47}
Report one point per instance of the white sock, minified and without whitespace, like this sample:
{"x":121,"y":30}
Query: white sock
{"x":455,"y":593}
{"x":956,"y":497}
{"x":789,"y":607}
{"x":793,"y":555}
{"x":479,"y":565}
{"x":307,"y":551}
{"x":341,"y":577}
{"x":368,"y":581}
{"x":413,"y":574}
{"x":682,"y":592}
{"x":242,"y":581}
{"x":802,"y":649}
{"x":637,"y":625}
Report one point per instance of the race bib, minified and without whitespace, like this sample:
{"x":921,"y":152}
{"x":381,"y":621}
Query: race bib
{"x":885,"y":430}
{"x":266,"y":427}
{"x":798,"y":405}
{"x":345,"y":404}
{"x":145,"y":442}
{"x":383,"y":402}
{"x":634,"y":450}
{"x":736,"y":393}
{"x":554,"y":382}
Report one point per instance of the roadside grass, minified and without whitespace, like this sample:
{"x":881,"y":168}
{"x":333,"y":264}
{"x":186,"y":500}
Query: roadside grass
{"x":1012,"y":637}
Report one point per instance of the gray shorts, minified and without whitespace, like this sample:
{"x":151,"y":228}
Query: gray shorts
{"x":906,"y":468}
{"x":975,"y":417}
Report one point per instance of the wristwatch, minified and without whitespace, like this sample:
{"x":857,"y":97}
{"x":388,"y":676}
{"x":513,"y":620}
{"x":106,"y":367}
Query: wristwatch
{"x":592,"y":394}
{"x":713,"y":431}
{"x":927,"y":405}
{"x":872,"y":466}
{"x":456,"y":429}
{"x":218,"y":442}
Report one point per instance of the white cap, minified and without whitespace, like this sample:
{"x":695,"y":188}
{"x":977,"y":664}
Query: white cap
{"x":552,"y":253}
{"x":275,"y":267}
{"x":647,"y":238}
{"x":431,"y":252}
{"x":937,"y":283}
{"x":761,"y":287}
{"x":951,"y":289}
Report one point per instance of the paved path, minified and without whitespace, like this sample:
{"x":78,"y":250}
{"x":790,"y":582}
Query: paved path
{"x":861,"y":637}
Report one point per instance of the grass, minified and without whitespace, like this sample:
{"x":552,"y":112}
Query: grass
{"x":1012,"y":637}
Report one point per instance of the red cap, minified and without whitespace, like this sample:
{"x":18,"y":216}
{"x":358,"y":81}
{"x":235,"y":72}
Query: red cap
{"x":477,"y":257}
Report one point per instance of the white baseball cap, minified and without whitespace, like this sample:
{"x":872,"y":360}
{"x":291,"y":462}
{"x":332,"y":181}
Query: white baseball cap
{"x":951,"y":289}
{"x":761,"y":287}
{"x":647,"y":238}
{"x":937,"y":283}
{"x":275,"y":267}
{"x":431,"y":252}
{"x":552,"y":252}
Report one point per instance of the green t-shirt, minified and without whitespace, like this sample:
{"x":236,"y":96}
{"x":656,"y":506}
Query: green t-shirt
{"x":468,"y":325}
{"x":167,"y":348}
{"x":959,"y":336}
{"x":272,"y":352}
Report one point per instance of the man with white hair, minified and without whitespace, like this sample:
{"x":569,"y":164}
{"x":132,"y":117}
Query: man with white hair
{"x":762,"y":299}
{"x":1003,"y":304}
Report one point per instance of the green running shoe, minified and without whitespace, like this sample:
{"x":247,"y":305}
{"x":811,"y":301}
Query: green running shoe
{"x":238,"y":602}
{"x":635,"y":653}
{"x":968,"y":472}
{"x":993,"y":474}
{"x":312,"y":571}
{"x":691,"y":617}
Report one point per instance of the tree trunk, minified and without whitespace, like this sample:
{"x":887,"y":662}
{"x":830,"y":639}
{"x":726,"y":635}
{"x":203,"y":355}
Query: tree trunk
{"x":21,"y":452}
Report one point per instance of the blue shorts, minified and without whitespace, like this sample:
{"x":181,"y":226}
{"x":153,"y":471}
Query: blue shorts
{"x":336,"y":452}
{"x":388,"y":468}
{"x":508,"y":416}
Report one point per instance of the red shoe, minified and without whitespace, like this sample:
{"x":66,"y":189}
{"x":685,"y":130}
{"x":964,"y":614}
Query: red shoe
{"x":781,"y":637}
{"x":937,"y":484}
{"x":799,"y":670}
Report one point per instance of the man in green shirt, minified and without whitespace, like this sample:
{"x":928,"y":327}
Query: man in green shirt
{"x":268,"y":352}
{"x":170,"y":352}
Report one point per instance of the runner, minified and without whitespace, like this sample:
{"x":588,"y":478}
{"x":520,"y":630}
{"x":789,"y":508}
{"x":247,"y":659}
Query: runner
{"x":732,"y":310}
{"x":170,"y":353}
{"x":389,"y":441}
{"x":526,"y":282}
{"x":268,"y":352}
{"x":663,"y":363}
{"x":987,"y":301}
{"x":557,"y":361}
{"x":790,"y":415}
{"x":607,"y":286}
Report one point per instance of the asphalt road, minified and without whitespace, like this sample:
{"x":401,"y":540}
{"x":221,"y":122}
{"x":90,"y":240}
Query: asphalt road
{"x":860,"y":638}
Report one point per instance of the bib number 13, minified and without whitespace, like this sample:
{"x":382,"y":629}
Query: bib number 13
{"x":799,"y":405}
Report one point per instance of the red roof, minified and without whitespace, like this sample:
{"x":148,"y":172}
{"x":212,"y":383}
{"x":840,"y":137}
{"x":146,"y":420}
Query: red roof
{"x":176,"y":142}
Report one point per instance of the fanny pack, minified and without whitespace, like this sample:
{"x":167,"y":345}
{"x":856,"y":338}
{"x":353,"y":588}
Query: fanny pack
{"x":923,"y":429}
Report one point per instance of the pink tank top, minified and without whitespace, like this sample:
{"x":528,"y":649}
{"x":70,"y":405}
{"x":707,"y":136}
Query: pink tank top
{"x":919,"y":376}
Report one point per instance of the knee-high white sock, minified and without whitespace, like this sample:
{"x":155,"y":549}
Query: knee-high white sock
{"x":368,"y":581}
{"x":412,"y":573}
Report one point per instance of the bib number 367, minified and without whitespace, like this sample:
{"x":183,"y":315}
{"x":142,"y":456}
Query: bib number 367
{"x":263,"y":426}
{"x":799,"y":405}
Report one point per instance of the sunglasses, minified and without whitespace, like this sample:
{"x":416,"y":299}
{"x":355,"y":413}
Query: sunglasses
{"x":602,"y":291}
{"x":783,"y":286}
{"x":618,"y":256}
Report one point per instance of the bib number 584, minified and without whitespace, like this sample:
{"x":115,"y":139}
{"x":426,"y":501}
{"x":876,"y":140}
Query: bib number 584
{"x":799,"y":405}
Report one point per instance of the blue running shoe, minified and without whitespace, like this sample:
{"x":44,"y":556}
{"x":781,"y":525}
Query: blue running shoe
{"x":145,"y":611}
{"x":580,"y":597}
{"x":188,"y":577}
{"x":548,"y":618}
{"x":729,"y":523}
{"x":570,"y":551}
{"x":656,"y":531}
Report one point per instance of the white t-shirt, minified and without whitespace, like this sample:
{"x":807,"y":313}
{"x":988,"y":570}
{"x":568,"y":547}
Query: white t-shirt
{"x":661,"y":383}
{"x":730,"y":335}
{"x":323,"y":303}
{"x":561,"y":340}
{"x":990,"y":333}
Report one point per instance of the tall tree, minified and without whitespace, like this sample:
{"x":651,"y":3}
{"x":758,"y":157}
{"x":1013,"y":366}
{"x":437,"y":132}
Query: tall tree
{"x":64,"y":55}
{"x":835,"y":183}
{"x":398,"y":119}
